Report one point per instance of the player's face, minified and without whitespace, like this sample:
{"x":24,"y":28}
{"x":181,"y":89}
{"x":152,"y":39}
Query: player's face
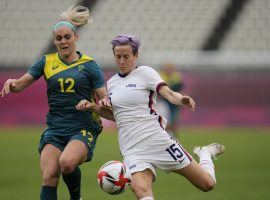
{"x":125,"y":59}
{"x":65,"y":41}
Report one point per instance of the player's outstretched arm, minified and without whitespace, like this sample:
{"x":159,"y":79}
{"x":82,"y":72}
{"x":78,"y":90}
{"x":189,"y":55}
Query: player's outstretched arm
{"x":16,"y":85}
{"x":176,"y":98}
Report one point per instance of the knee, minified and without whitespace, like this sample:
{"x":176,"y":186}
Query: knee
{"x":208,"y":185}
{"x":67,"y":165}
{"x":139,"y":190}
{"x":50,"y":178}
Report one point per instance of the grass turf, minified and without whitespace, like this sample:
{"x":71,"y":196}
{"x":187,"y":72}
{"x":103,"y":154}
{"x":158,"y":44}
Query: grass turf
{"x":243,"y":172}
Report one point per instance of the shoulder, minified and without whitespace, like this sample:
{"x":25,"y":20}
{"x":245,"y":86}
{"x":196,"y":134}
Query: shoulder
{"x":86,"y":58}
{"x":90,"y":64}
{"x":112,"y":79}
{"x":145,"y":68}
{"x":50,"y":56}
{"x":146,"y":71}
{"x":40,"y":62}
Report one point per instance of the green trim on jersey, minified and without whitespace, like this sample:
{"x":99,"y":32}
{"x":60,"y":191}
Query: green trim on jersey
{"x":67,"y":85}
{"x":54,"y":64}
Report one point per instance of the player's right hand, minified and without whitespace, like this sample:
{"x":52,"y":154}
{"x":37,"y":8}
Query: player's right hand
{"x":85,"y":105}
{"x":105,"y":103}
{"x":9,"y":85}
{"x":188,"y":101}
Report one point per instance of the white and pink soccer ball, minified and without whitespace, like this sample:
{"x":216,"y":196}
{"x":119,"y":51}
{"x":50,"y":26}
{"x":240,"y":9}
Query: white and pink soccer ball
{"x":113,"y":177}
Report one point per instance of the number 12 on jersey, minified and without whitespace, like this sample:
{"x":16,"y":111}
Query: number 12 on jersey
{"x":67,"y":85}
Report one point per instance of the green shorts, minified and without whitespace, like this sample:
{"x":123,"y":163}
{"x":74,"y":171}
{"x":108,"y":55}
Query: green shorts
{"x":60,"y":140}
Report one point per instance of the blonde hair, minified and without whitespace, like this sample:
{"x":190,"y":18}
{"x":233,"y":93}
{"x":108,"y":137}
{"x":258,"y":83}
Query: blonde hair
{"x":76,"y":15}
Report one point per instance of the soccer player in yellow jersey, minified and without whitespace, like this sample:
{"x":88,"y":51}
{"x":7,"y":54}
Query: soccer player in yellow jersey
{"x":70,"y":137}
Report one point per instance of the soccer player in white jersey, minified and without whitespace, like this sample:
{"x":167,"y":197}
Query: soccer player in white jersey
{"x":143,"y":141}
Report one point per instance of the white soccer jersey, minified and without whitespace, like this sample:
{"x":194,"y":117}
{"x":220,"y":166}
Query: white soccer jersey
{"x":142,"y":139}
{"x":133,"y":99}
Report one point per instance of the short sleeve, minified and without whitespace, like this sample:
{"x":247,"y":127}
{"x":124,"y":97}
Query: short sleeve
{"x":152,"y":79}
{"x":37,"y":69}
{"x":95,"y":75}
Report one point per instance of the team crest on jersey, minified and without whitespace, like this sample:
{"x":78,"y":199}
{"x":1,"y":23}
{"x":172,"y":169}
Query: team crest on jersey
{"x":131,"y":85}
{"x":55,"y":67}
{"x":80,"y":68}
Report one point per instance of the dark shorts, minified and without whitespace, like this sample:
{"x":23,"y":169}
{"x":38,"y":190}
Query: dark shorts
{"x":60,"y":140}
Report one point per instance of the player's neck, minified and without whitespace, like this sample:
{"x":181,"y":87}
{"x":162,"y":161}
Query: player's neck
{"x":71,"y":58}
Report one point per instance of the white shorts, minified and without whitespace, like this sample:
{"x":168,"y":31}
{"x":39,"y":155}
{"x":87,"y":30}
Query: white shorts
{"x":157,"y":152}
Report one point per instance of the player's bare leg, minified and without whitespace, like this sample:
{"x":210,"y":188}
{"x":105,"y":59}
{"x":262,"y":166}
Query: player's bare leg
{"x":203,"y":175}
{"x":50,"y":170}
{"x":49,"y":165}
{"x":74,"y":154}
{"x":141,"y":184}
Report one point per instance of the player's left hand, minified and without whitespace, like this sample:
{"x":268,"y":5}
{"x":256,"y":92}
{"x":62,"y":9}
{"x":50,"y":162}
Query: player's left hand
{"x":188,"y":101}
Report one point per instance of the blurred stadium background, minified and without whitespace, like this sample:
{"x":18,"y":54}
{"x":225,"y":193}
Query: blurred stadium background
{"x":221,"y":47}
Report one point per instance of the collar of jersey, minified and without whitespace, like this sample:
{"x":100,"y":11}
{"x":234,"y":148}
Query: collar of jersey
{"x":67,"y":64}
{"x":124,"y":75}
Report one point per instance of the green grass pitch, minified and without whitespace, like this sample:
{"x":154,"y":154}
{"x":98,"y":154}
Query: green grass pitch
{"x":243,"y":172}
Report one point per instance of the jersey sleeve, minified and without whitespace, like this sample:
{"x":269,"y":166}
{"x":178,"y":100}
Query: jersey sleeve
{"x":37,"y":69}
{"x":152,"y":79}
{"x":95,"y":75}
{"x":109,"y":84}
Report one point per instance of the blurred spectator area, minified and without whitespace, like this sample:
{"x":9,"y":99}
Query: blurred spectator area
{"x":222,"y":98}
{"x":167,"y":28}
{"x":229,"y":83}
{"x":250,"y":32}
{"x":26,"y":29}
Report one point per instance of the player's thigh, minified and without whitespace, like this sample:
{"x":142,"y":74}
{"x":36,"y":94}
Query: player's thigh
{"x":80,"y":147}
{"x":49,"y":160}
{"x":195,"y":174}
{"x":75,"y":153}
{"x":141,"y":183}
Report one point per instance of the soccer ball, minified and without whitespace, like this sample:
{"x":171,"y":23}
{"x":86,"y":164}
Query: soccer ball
{"x":113,"y":177}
